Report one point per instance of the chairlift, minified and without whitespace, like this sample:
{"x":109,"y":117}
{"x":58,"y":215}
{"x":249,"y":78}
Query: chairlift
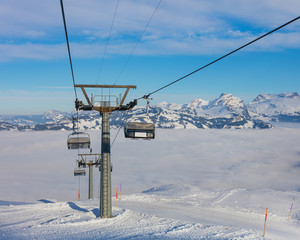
{"x":79,"y":172}
{"x":78,"y":140}
{"x":143,"y":130}
{"x":139,"y":130}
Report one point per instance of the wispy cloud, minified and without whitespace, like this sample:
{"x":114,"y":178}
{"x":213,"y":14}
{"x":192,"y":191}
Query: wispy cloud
{"x":191,"y":45}
{"x":37,"y":51}
{"x":35,"y":31}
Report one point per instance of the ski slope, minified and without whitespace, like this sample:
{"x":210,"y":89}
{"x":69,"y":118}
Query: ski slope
{"x":186,"y":184}
{"x":166,"y":212}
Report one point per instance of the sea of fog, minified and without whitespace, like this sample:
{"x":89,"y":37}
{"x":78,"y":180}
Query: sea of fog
{"x":37,"y":165}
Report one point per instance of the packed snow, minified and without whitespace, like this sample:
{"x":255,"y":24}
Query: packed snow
{"x":185,"y":184}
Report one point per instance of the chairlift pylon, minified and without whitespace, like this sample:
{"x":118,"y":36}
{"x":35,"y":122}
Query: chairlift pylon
{"x":111,"y":167}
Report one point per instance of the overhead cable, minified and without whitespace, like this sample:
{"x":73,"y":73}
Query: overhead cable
{"x":197,"y":70}
{"x":124,"y":116}
{"x":104,"y":54}
{"x":129,"y":57}
{"x":115,"y":138}
{"x":67,"y":39}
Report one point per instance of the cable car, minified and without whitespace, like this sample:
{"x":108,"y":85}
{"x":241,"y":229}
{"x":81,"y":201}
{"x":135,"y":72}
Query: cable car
{"x":79,"y":172}
{"x":78,"y":140}
{"x":139,"y":130}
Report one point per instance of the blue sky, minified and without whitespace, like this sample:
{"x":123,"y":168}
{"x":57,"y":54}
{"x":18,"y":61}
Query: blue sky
{"x":182,"y":36}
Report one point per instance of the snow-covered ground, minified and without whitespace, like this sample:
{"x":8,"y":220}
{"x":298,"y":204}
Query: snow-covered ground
{"x":185,"y":184}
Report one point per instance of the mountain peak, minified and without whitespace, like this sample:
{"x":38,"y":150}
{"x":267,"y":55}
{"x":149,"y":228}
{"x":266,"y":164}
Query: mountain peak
{"x":276,"y":104}
{"x":289,"y":95}
{"x":197,"y":103}
{"x":55,"y":115}
{"x":226,"y":111}
{"x":227,"y":105}
{"x":228,"y":100}
{"x":261,"y":98}
{"x":265,"y":97}
{"x":169,"y":105}
{"x":162,"y":104}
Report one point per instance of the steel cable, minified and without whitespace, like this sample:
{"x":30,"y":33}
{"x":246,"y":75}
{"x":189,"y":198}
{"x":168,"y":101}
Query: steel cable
{"x":67,"y":39}
{"x":226,"y":55}
{"x":105,"y":50}
{"x":125,"y":64}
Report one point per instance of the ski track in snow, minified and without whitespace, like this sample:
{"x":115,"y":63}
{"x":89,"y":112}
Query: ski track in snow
{"x":78,"y":221}
{"x":159,"y":213}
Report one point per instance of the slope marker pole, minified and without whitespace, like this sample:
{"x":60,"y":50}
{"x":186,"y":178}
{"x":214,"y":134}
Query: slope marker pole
{"x":265,"y":222}
{"x":290,"y":211}
{"x":78,"y":194}
{"x":117,"y":197}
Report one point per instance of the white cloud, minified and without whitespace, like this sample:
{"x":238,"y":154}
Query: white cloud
{"x":192,"y":45}
{"x":34,"y":34}
{"x":31,"y":30}
{"x":35,"y":51}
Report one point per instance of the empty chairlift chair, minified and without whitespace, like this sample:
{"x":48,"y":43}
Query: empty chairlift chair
{"x":144,"y":128}
{"x":137,"y":130}
{"x":78,"y":140}
{"x":79,"y":172}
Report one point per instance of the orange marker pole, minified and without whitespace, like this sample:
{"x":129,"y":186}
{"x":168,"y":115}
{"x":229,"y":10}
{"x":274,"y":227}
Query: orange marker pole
{"x":79,"y":188}
{"x":117,"y":197}
{"x":290,"y":211}
{"x":265,"y":222}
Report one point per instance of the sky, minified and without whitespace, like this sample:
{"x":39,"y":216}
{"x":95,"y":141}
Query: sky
{"x":181,"y":37}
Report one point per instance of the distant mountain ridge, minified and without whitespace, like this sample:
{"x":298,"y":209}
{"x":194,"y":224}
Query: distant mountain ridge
{"x":277,"y":107}
{"x":226,"y":111}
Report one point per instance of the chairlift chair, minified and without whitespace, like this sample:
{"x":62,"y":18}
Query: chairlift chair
{"x":137,"y":130}
{"x":78,"y":140}
{"x":79,"y":172}
{"x":144,"y":129}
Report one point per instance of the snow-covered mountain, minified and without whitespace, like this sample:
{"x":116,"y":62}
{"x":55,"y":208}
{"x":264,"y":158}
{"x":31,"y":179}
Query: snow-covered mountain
{"x":277,"y":107}
{"x":226,"y":111}
{"x":51,"y":120}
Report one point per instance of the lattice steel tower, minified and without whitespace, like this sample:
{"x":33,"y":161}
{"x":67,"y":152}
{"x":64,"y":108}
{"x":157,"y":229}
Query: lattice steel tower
{"x":105,"y":104}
